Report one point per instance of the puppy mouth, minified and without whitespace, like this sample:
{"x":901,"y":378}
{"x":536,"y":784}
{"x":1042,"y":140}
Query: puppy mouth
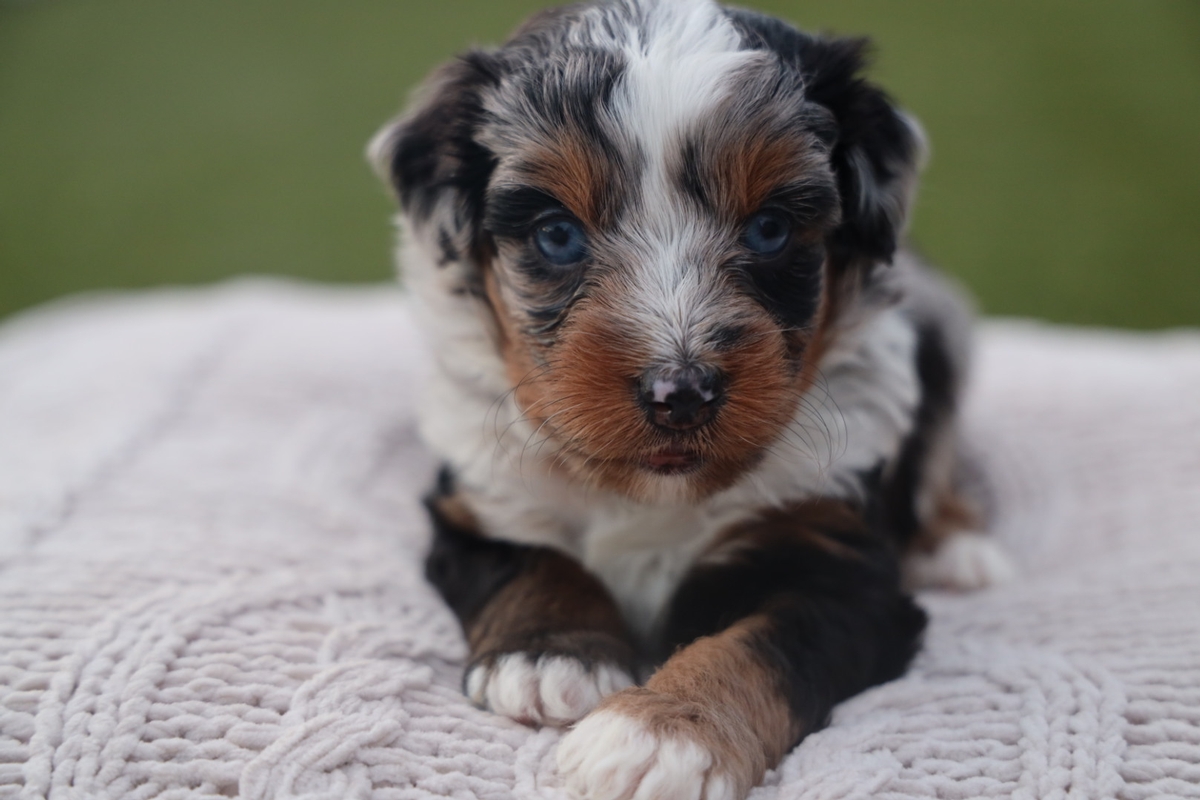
{"x":673,"y":461}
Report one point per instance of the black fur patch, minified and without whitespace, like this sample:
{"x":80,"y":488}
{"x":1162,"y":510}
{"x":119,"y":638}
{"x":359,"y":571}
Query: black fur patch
{"x":789,"y":286}
{"x":874,"y":147}
{"x":727,"y":337}
{"x":552,"y":293}
{"x":512,"y":212}
{"x":691,"y":175}
{"x":436,"y":152}
{"x":470,"y":570}
{"x":838,"y":620}
{"x":446,"y":245}
{"x":573,"y":93}
{"x":806,"y":203}
{"x":939,"y":380}
{"x":464,"y":566}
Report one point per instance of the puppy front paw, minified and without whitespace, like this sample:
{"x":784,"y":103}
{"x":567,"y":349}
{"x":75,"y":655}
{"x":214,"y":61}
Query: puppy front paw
{"x":965,"y":561}
{"x":542,"y":690}
{"x":641,"y":745}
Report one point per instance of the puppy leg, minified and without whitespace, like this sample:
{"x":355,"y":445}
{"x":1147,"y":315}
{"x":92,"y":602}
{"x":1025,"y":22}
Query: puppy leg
{"x":922,"y":491}
{"x":783,"y":619}
{"x":951,"y":550}
{"x":547,"y":642}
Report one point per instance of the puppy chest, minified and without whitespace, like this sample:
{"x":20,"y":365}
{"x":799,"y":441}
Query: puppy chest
{"x":642,"y":557}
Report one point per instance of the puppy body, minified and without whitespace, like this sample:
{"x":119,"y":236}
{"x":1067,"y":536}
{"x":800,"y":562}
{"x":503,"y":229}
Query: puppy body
{"x":692,"y":400}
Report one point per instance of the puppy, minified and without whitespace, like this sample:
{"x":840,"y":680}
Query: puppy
{"x":693,"y":400}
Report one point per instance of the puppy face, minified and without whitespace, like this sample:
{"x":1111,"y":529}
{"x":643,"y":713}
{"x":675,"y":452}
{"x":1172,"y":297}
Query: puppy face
{"x":663,"y":206}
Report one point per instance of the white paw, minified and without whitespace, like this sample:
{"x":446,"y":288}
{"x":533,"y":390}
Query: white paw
{"x":964,"y":561}
{"x":611,"y":756}
{"x":553,"y":690}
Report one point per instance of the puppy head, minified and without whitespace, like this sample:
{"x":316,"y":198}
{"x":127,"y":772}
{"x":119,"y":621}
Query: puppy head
{"x":666,"y":206}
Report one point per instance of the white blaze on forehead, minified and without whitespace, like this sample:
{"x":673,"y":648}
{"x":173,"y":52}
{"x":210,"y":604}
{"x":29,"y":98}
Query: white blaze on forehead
{"x":678,"y":66}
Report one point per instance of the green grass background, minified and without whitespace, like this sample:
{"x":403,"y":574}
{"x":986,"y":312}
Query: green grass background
{"x":146,"y":142}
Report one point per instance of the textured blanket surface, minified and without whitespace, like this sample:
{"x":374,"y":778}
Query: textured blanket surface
{"x":210,"y":580}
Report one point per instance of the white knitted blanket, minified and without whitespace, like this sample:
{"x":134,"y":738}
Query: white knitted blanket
{"x":210,"y":579}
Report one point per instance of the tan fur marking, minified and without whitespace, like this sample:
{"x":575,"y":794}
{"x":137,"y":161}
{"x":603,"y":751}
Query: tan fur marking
{"x":455,"y":510}
{"x":749,"y":169}
{"x":515,"y":351}
{"x":554,"y":595}
{"x":577,"y":176}
{"x":586,"y":398}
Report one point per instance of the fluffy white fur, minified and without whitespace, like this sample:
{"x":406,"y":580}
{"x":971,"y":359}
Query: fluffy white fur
{"x":676,"y":75}
{"x":610,"y":756}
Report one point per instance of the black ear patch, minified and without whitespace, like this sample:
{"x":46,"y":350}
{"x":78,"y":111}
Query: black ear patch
{"x":877,"y":150}
{"x":430,"y":155}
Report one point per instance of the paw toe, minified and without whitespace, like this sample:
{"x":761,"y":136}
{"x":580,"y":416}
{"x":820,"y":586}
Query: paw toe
{"x":548,"y":690}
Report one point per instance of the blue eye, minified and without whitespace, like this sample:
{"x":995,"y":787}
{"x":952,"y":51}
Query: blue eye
{"x":766,"y":234}
{"x":562,"y":241}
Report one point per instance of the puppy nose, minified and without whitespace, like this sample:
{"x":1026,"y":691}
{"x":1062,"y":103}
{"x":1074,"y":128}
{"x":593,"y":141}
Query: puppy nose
{"x":681,"y":399}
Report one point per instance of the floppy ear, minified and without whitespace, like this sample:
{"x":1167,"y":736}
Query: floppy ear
{"x":877,"y":149}
{"x":431,"y":158}
{"x":878,"y":153}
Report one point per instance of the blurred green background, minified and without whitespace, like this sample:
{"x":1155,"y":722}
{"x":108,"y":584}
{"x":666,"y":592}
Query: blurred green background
{"x":146,"y":142}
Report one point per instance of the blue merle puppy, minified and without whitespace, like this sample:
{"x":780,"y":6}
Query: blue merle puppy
{"x":696,"y":403}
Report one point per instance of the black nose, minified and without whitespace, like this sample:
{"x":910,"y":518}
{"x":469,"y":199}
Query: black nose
{"x":681,"y":399}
